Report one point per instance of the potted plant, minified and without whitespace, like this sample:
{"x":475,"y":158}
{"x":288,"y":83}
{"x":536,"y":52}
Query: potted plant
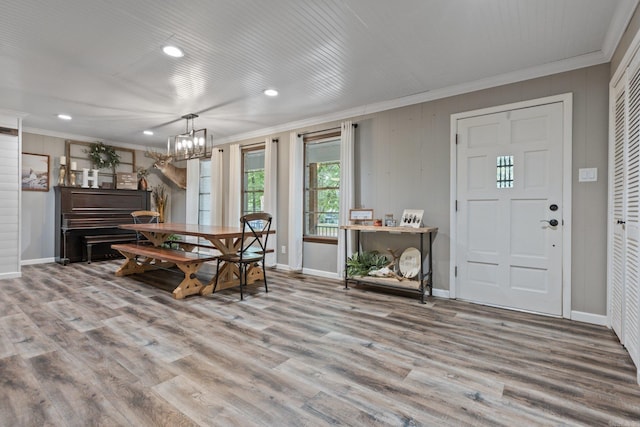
{"x":361,"y":263}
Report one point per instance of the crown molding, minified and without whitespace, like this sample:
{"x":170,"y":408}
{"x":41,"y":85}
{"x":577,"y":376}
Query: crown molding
{"x":75,"y":137}
{"x":619,"y":22}
{"x":582,"y":61}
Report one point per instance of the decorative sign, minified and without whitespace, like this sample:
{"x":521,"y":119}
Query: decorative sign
{"x":127,"y":181}
{"x":412,"y":218}
{"x":361,"y":214}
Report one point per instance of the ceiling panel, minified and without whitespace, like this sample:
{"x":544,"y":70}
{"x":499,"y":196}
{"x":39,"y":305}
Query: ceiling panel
{"x":101,"y":61}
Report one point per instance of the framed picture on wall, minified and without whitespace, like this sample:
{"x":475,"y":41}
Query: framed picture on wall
{"x":35,"y":172}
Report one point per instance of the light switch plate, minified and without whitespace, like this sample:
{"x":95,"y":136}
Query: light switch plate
{"x":587,"y":174}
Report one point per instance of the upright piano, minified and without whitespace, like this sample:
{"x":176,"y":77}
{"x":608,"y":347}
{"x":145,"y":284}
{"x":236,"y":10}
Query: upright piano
{"x":84,"y":212}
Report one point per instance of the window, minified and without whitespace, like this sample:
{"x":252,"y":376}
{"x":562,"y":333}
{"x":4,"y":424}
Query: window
{"x":252,"y":180}
{"x":322,"y":188}
{"x":204,"y":193}
{"x":504,"y":174}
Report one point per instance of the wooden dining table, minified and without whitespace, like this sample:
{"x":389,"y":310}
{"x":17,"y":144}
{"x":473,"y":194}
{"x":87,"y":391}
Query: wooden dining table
{"x":222,"y":238}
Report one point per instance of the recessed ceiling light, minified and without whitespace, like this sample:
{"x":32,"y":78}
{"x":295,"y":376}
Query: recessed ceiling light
{"x":64,"y":116}
{"x":176,"y":52}
{"x":271,"y":92}
{"x":148,"y":132}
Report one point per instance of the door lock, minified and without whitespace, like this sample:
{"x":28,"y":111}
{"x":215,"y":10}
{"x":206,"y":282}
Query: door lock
{"x":552,"y":222}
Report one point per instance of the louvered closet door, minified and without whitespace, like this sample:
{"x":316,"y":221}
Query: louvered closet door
{"x":630,"y":330}
{"x":631,"y":309}
{"x":617,"y":250}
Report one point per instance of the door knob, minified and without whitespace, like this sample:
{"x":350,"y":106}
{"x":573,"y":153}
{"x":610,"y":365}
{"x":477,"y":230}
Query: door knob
{"x":552,"y":222}
{"x":621,"y":221}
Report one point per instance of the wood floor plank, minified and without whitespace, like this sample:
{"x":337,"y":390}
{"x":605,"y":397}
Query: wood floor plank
{"x":26,"y":338}
{"x":72,"y":395}
{"x":80,"y":346}
{"x":22,"y":402}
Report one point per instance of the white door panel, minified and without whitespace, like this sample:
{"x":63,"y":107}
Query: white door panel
{"x":506,"y":254}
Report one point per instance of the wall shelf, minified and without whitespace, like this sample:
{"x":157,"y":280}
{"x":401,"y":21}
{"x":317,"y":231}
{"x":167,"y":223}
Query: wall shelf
{"x":76,"y":151}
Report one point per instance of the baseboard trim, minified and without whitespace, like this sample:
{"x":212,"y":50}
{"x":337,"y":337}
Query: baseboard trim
{"x":37,"y":261}
{"x":285,"y":267}
{"x":595,"y":319}
{"x":320,"y":273}
{"x":13,"y":275}
{"x":440,"y":293}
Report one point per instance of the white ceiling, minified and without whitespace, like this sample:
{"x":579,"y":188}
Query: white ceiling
{"x":101,"y":60}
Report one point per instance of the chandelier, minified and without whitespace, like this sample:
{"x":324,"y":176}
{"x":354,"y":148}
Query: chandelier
{"x":192,"y":144}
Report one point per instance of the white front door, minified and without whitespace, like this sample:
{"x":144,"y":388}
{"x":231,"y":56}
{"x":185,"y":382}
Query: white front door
{"x":509,"y":208}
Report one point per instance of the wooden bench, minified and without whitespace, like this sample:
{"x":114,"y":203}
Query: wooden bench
{"x":102,"y":239}
{"x":145,"y":257}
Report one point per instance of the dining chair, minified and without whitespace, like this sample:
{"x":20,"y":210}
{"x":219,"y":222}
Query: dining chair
{"x":253,"y":248}
{"x":144,"y":217}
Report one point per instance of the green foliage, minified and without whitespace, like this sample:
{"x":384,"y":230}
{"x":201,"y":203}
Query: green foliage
{"x":172,"y":242}
{"x":329,"y":182}
{"x":103,"y":156}
{"x":254,"y":190}
{"x":361,"y":263}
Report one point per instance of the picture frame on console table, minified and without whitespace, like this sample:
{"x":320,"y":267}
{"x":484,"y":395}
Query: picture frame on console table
{"x":412,"y":218}
{"x":360,"y":215}
{"x":34,"y":174}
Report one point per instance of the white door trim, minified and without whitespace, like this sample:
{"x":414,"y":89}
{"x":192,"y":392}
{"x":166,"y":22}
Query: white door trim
{"x":567,"y":108}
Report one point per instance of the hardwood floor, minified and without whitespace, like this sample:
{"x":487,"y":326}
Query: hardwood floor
{"x":81,"y":347}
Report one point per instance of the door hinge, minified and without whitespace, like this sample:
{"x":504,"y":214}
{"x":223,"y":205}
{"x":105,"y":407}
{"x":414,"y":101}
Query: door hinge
{"x":455,"y":271}
{"x":456,"y":206}
{"x":457,"y":138}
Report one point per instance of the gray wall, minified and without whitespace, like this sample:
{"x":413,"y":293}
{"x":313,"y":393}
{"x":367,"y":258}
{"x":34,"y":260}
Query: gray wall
{"x":38,"y":209}
{"x":403,"y":161}
{"x":625,"y":40}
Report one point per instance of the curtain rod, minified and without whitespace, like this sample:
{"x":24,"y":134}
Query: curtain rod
{"x":257,"y":144}
{"x":355,"y":125}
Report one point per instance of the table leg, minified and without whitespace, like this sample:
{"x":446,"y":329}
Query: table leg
{"x":130,"y":265}
{"x":190,"y":285}
{"x":430,"y":281}
{"x":422,"y":268}
{"x":346,"y":257}
{"x":229,"y":272}
{"x":157,"y":239}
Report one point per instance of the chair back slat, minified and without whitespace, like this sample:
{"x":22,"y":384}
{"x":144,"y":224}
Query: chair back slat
{"x":144,"y":217}
{"x":255,"y":232}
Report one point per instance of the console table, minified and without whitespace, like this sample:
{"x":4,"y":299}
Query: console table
{"x":425,"y":280}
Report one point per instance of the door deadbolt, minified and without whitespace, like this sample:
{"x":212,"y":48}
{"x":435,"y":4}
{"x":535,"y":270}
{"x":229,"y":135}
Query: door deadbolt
{"x":553,"y":207}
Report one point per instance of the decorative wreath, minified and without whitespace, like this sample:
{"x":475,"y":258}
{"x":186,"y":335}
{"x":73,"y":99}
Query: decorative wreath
{"x":103,"y":156}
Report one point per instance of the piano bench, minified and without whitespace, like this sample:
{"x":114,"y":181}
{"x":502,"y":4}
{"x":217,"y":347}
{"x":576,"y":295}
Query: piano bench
{"x":100,"y":239}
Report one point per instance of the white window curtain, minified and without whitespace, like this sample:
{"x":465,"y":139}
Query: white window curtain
{"x":296,"y":198}
{"x":347,"y":188}
{"x":235,"y":197}
{"x":271,"y":195}
{"x":193,"y":191}
{"x":192,"y":195}
{"x":216,"y":187}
